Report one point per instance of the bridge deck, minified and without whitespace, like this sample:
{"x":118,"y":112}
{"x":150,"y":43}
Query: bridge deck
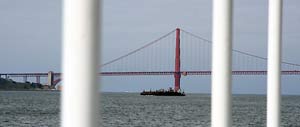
{"x":295,"y":72}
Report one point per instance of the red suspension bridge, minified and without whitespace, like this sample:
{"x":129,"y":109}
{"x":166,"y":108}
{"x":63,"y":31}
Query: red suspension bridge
{"x":177,"y":53}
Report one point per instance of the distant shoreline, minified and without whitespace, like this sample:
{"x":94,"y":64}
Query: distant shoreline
{"x":11,"y":85}
{"x":137,"y":93}
{"x":28,"y":90}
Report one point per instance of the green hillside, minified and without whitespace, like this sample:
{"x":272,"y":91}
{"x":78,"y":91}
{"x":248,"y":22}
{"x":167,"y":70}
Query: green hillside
{"x":8,"y":84}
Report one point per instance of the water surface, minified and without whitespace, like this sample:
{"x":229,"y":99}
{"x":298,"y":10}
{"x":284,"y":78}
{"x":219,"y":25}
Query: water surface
{"x":41,"y":109}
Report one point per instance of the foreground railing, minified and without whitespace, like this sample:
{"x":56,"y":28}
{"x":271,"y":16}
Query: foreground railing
{"x":274,"y":66}
{"x":221,"y":98}
{"x":80,"y":38}
{"x":80,"y":60}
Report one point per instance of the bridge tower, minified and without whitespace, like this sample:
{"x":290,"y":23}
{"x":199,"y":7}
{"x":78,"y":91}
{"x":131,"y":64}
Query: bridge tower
{"x":50,"y":78}
{"x":177,"y":73}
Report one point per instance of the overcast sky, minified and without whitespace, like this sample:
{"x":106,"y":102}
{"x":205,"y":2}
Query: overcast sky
{"x":30,"y":37}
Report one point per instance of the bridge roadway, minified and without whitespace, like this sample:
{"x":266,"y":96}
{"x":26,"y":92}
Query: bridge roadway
{"x":295,"y":72}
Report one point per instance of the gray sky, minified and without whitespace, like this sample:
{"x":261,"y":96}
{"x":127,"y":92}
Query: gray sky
{"x":30,"y":37}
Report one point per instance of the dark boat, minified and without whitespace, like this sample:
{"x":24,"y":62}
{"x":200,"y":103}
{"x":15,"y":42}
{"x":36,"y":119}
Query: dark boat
{"x":163,"y":92}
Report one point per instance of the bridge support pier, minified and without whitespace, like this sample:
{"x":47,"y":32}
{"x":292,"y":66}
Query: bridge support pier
{"x":38,"y":79}
{"x":25,"y":79}
{"x":177,"y":73}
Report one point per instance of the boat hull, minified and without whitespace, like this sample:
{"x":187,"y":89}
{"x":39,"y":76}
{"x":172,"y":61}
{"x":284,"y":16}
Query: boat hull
{"x":162,"y":93}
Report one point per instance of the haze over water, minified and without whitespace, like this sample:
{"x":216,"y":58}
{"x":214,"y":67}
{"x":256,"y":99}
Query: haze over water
{"x":41,"y":109}
{"x":30,"y":37}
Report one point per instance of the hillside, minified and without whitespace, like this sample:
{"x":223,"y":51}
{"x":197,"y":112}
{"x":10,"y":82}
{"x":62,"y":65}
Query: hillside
{"x":8,"y":84}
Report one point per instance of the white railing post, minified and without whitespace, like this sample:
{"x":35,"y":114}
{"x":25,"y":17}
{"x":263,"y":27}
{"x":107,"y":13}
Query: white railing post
{"x":80,"y":60}
{"x":221,"y":115}
{"x":274,"y":63}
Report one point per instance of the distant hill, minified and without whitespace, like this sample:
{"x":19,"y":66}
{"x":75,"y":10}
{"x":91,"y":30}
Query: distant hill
{"x":8,"y":84}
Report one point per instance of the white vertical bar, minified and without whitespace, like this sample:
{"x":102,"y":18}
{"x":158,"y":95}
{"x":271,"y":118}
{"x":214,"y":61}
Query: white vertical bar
{"x":221,"y":64}
{"x":274,"y":63}
{"x":80,"y":53}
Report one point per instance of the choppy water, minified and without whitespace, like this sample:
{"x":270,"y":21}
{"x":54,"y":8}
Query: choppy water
{"x":37,"y":109}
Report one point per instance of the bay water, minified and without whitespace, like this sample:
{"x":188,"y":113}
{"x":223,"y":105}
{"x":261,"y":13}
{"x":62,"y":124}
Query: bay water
{"x":42,"y":109}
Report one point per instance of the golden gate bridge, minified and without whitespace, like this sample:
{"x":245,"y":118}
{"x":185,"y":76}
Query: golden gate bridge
{"x":177,"y":53}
